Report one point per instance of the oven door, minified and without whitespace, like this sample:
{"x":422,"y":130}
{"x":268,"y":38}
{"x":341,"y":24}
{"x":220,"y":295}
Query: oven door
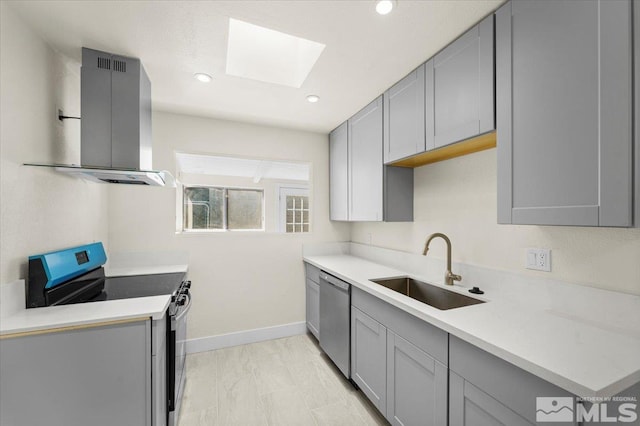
{"x":176,"y":357}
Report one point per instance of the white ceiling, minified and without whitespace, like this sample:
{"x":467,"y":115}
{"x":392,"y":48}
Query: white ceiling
{"x":365,"y":54}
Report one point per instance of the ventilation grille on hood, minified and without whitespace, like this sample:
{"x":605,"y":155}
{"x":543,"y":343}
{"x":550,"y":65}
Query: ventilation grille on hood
{"x":104,"y":63}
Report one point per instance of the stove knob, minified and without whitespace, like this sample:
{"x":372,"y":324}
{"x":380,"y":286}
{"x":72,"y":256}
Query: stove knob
{"x":187,"y":284}
{"x":182,"y":301}
{"x":173,"y":298}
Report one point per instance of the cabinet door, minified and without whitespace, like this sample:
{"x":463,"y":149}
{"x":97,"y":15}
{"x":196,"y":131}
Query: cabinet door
{"x":369,"y":357}
{"x":564,"y":89}
{"x":416,"y":385}
{"x":98,"y":376}
{"x":313,"y":307}
{"x":469,"y":406}
{"x":338,"y":180}
{"x":404,"y":117}
{"x":463,"y":86}
{"x":365,"y":163}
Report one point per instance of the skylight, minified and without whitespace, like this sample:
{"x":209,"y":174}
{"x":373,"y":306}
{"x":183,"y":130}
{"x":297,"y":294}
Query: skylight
{"x":242,"y":167}
{"x":267,"y":55}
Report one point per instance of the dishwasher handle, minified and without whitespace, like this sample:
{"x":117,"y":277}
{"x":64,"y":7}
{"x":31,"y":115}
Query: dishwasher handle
{"x":334,"y":281}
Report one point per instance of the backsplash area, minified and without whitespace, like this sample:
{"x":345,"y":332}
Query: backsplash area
{"x":458,"y":197}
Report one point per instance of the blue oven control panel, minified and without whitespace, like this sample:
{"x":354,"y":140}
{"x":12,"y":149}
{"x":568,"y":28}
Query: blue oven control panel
{"x":63,"y":265}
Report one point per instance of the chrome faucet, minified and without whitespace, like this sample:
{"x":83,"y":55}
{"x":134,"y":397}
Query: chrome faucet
{"x":449,"y":277}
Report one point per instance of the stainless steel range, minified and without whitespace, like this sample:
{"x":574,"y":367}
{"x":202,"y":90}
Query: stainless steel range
{"x":77,"y":275}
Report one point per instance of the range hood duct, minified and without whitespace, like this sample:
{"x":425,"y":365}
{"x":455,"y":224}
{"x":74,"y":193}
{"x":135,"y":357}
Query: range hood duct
{"x":115,"y":135}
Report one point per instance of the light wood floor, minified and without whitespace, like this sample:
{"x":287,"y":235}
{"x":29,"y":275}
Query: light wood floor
{"x":279,"y":382}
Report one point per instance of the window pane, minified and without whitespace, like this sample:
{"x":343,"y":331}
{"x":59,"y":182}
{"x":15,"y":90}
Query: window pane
{"x":203,"y":208}
{"x":244,"y":209}
{"x":297,"y":213}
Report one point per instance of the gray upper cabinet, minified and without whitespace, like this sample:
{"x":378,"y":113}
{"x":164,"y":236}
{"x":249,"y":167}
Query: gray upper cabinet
{"x":361,"y":187}
{"x":365,"y":163}
{"x":564,"y":113}
{"x":416,"y":385}
{"x":460,"y":88}
{"x":404,"y":117}
{"x":338,"y":180}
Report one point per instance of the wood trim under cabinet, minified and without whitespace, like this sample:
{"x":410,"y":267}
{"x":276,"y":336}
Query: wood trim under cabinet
{"x":72,"y":327}
{"x":469,"y":146}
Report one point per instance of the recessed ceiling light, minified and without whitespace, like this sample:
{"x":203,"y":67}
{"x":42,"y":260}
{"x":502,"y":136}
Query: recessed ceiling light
{"x":313,"y":98}
{"x":205,"y":78}
{"x":383,"y":7}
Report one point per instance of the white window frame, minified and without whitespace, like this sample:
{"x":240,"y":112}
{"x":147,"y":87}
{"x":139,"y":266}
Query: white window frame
{"x":225,"y":210}
{"x":281,"y":214}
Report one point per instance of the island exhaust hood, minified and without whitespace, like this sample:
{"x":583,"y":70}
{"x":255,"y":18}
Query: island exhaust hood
{"x":115,"y":135}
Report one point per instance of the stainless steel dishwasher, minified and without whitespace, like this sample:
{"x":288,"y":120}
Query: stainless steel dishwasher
{"x":335,"y":320}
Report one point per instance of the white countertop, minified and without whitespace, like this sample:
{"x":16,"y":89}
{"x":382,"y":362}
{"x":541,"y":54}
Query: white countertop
{"x":585,"y":357}
{"x":121,"y":271}
{"x":53,"y":317}
{"x":16,"y":319}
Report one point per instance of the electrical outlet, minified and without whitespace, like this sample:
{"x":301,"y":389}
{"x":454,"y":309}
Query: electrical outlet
{"x":538,"y":259}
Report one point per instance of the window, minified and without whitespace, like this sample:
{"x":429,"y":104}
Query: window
{"x":294,"y":209}
{"x":214,"y":208}
{"x":219,"y":193}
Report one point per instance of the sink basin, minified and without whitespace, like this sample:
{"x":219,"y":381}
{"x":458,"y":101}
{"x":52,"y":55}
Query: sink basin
{"x":427,"y":293}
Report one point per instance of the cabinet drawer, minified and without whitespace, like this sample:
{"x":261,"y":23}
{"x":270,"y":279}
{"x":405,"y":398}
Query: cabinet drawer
{"x":503,"y":381}
{"x":426,"y":337}
{"x":312,"y":273}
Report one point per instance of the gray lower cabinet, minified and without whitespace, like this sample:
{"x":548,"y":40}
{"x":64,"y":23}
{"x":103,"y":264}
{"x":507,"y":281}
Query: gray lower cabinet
{"x":399,"y":362}
{"x":416,"y":385}
{"x":99,"y":376}
{"x":159,"y":372}
{"x":460,"y":88}
{"x":564,"y":112}
{"x":486,"y":390}
{"x":312,"y":299}
{"x":313,"y":307}
{"x":470,"y":406}
{"x":338,"y":174}
{"x":404,"y":117}
{"x":369,"y":357}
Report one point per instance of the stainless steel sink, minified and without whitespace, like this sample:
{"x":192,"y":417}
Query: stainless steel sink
{"x":427,"y":293}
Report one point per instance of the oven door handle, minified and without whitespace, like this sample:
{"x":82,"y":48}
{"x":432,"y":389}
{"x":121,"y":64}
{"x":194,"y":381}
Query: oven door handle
{"x":185,"y":309}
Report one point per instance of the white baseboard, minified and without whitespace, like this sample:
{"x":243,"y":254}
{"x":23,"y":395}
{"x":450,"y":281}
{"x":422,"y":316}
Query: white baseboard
{"x":211,"y":343}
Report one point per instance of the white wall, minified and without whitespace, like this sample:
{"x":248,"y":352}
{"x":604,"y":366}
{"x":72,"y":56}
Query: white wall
{"x":458,"y":197}
{"x":41,"y":210}
{"x":241,"y":281}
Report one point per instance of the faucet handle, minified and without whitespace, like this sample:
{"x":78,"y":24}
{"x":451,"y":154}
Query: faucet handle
{"x":450,"y":277}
